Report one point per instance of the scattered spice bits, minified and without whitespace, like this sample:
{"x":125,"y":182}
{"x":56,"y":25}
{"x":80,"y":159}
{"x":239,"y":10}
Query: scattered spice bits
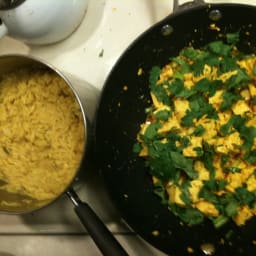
{"x":101,"y":53}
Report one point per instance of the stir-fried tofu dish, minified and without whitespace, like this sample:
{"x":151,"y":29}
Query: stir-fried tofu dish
{"x":199,"y":136}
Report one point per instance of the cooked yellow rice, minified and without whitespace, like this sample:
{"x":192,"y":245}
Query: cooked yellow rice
{"x":41,"y":134}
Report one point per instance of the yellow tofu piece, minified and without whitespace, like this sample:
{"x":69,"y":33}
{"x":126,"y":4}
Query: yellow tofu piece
{"x":252,"y":89}
{"x":224,"y":117}
{"x":251,"y":183}
{"x":166,"y":74}
{"x":157,"y":104}
{"x":241,"y":107}
{"x":209,"y":126}
{"x":247,"y":64}
{"x":174,"y":194}
{"x":216,"y":100}
{"x":245,"y":94}
{"x":203,"y":173}
{"x":234,"y":181}
{"x":225,"y":76}
{"x":244,"y":214}
{"x":195,"y":143}
{"x":219,"y":174}
{"x":230,"y":143}
{"x":194,"y":189}
{"x":251,"y":122}
{"x":172,"y":123}
{"x":207,"y":208}
{"x":181,"y":106}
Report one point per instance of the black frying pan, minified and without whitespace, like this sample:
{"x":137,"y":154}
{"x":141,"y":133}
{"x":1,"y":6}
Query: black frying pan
{"x":121,"y":111}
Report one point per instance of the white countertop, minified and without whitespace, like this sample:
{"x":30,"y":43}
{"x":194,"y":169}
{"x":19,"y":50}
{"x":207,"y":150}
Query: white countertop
{"x":88,"y":54}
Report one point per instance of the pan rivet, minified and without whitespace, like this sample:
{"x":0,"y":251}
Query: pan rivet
{"x":208,"y":248}
{"x":215,"y":15}
{"x":166,"y":30}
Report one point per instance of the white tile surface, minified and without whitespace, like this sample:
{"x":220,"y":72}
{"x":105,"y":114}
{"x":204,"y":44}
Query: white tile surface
{"x":64,"y":245}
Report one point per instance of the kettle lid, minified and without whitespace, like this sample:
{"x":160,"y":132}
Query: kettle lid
{"x":10,"y":4}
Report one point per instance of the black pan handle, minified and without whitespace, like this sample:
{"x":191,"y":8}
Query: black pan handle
{"x":102,"y":237}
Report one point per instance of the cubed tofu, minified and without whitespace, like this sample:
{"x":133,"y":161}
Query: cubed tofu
{"x":247,"y":64}
{"x":216,"y":100}
{"x":195,"y":142}
{"x":174,"y":194}
{"x":251,"y":183}
{"x":230,"y":143}
{"x":241,"y":107}
{"x":209,"y":126}
{"x":194,"y":189}
{"x":225,"y":76}
{"x":244,"y":213}
{"x":252,"y":89}
{"x":219,"y":174}
{"x":172,"y":123}
{"x":157,"y":104}
{"x":203,"y":173}
{"x":207,"y":208}
{"x":180,"y":107}
{"x":234,"y":181}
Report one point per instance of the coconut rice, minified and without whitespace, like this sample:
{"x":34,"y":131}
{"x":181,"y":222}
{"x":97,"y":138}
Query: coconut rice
{"x":42,"y":134}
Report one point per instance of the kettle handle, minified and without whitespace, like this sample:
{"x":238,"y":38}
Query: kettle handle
{"x":3,"y":29}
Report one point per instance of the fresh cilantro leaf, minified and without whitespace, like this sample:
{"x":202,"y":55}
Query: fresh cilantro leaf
{"x":227,"y":64}
{"x":206,"y":86}
{"x":229,"y":98}
{"x":160,"y":191}
{"x":185,"y":195}
{"x":233,"y":169}
{"x":251,"y":157}
{"x":199,"y":131}
{"x":178,"y":89}
{"x":219,"y":48}
{"x":189,"y":215}
{"x":154,"y":75}
{"x":190,"y":53}
{"x":199,"y":151}
{"x":183,"y":163}
{"x":184,"y":67}
{"x":206,"y":194}
{"x":237,"y":81}
{"x":244,"y":196}
{"x":162,"y":115}
{"x":254,"y":100}
{"x":231,"y":208}
{"x":219,"y":221}
{"x":160,"y":94}
{"x":198,"y":108}
{"x":233,"y":38}
{"x":151,"y":131}
{"x":236,"y":121}
{"x":137,"y":148}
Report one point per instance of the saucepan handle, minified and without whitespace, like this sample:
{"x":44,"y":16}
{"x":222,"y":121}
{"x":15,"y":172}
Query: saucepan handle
{"x":177,"y":6}
{"x":102,"y":237}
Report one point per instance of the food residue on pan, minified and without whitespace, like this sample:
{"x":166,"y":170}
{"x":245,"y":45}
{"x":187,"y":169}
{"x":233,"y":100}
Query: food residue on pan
{"x":213,"y":26}
{"x":190,"y":249}
{"x":155,"y":233}
{"x":125,"y":88}
{"x":42,"y":134}
{"x":140,"y":72}
{"x":199,"y":137}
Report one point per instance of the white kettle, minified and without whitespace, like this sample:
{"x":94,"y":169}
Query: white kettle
{"x":40,"y":21}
